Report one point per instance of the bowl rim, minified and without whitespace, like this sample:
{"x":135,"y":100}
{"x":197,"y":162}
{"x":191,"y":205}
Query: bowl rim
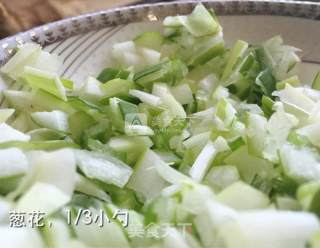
{"x":55,"y":31}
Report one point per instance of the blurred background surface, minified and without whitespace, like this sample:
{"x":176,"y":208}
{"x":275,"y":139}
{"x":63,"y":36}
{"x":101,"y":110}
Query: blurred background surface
{"x":20,"y":15}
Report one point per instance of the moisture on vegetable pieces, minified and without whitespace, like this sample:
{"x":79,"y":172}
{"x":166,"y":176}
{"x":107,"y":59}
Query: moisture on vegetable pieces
{"x":182,"y":142}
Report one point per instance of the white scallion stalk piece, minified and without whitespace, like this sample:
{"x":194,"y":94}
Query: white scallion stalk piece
{"x":49,"y":62}
{"x":138,"y":130}
{"x":47,"y":81}
{"x":220,"y":177}
{"x":242,"y":196}
{"x":125,"y":54}
{"x":191,"y":194}
{"x":174,"y":239}
{"x":316,"y":82}
{"x":225,"y":114}
{"x":269,"y":228}
{"x":170,"y":174}
{"x":13,"y":162}
{"x":256,"y":132}
{"x":95,"y":236}
{"x":295,"y":99}
{"x":58,"y":234}
{"x":237,"y":52}
{"x":91,"y":90}
{"x":145,"y":97}
{"x":128,"y":54}
{"x":20,"y":100}
{"x":199,"y":23}
{"x":300,"y":164}
{"x":5,"y":208}
{"x":5,"y":114}
{"x":206,"y":157}
{"x":208,"y":222}
{"x":26,"y":55}
{"x":145,"y":178}
{"x":208,"y":113}
{"x":312,"y":132}
{"x":87,"y":187}
{"x":249,"y":166}
{"x":169,"y":102}
{"x":151,"y":40}
{"x":116,"y":112}
{"x":24,"y":123}
{"x":166,"y":172}
{"x":182,"y":93}
{"x":43,"y":197}
{"x":280,"y":58}
{"x":7,"y":133}
{"x":294,"y":81}
{"x":198,"y":140}
{"x":306,"y":194}
{"x":124,"y":143}
{"x":287,"y":203}
{"x":209,"y":83}
{"x":103,"y":167}
{"x":20,"y":237}
{"x":56,"y":120}
{"x":127,"y":46}
{"x":278,"y":128}
{"x":61,"y":91}
{"x":168,"y":157}
{"x":38,"y":72}
{"x":171,"y":190}
{"x":46,"y":167}
{"x":151,"y":57}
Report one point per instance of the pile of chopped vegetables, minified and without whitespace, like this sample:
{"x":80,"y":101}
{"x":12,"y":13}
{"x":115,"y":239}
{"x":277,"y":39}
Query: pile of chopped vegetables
{"x":194,"y":143}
